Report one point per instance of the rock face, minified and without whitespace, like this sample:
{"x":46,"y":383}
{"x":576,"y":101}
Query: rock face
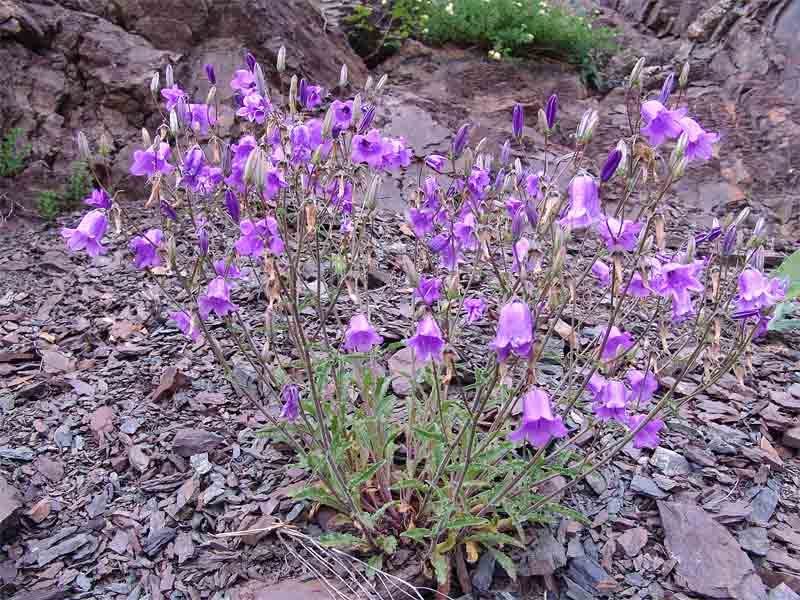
{"x":75,"y":65}
{"x":710,"y":561}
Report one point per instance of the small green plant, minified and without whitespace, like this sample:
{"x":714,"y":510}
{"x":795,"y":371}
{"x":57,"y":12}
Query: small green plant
{"x":513,"y":28}
{"x":51,"y":202}
{"x":12,"y":153}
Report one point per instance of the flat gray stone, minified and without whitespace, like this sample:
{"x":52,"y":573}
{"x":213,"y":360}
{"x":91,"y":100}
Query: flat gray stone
{"x":764,"y":505}
{"x":670,"y":463}
{"x":754,"y":540}
{"x":647,"y":487}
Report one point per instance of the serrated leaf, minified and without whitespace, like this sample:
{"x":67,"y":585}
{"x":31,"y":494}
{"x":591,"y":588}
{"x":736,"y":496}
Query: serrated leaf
{"x":505,"y":562}
{"x":790,"y":269}
{"x":340,"y":540}
{"x":316,"y":495}
{"x":466,"y":521}
{"x":418,"y":533}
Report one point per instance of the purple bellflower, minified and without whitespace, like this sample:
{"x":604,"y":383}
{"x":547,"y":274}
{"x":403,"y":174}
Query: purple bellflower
{"x":360,"y":335}
{"x":611,"y":401}
{"x":617,"y":340}
{"x":436,"y":162}
{"x":428,"y":342}
{"x":584,"y":204}
{"x":291,"y":403}
{"x":428,"y":290}
{"x":603,"y":272}
{"x":643,"y":384}
{"x":759,"y":292}
{"x":517,"y":120}
{"x":342,"y":113}
{"x":255,"y":108}
{"x":699,"y":142}
{"x":611,"y":165}
{"x":151,"y":161}
{"x":146,"y":248}
{"x":539,"y":424}
{"x":662,"y":123}
{"x":99,"y":198}
{"x":243,"y":81}
{"x":474,"y":309}
{"x":368,"y":149}
{"x":88,"y":235}
{"x":212,"y":77}
{"x":228,"y":270}
{"x":514,"y":331}
{"x":254,"y":236}
{"x":647,"y":436}
{"x":461,"y":140}
{"x":232,"y":205}
{"x":172,"y":95}
{"x":551,"y":110}
{"x":619,"y":235}
{"x":186,"y":324}
{"x":218,"y":299}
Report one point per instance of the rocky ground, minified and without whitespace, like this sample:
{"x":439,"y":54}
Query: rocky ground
{"x":122,"y":453}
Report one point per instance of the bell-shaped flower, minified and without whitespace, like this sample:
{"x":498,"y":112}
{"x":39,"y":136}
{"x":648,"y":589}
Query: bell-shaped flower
{"x":428,"y":342}
{"x":643,"y":385}
{"x":88,"y":235}
{"x":584,"y":203}
{"x":617,"y":342}
{"x":218,"y":299}
{"x":619,"y":235}
{"x":647,"y":436}
{"x":514,"y":331}
{"x":611,"y":402}
{"x":360,"y":335}
{"x":661,"y":123}
{"x":474,"y":309}
{"x":146,"y":248}
{"x":759,"y":292}
{"x":428,"y":290}
{"x":539,"y":424}
{"x":291,"y":403}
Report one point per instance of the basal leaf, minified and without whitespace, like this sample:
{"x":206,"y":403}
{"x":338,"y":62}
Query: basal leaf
{"x":505,"y":562}
{"x":466,"y":521}
{"x":790,"y":269}
{"x":418,"y":533}
{"x":340,"y":540}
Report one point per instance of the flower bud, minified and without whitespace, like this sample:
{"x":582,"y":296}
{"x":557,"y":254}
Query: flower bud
{"x":174,"y":126}
{"x":508,"y":183}
{"x":146,"y":138}
{"x":679,"y":169}
{"x":212,"y":78}
{"x":83,"y":147}
{"x":729,"y":241}
{"x":518,"y":167}
{"x":212,"y":94}
{"x":587,"y":126}
{"x":480,"y":146}
{"x":758,"y":230}
{"x":666,"y":89}
{"x":202,"y":241}
{"x":461,"y":140}
{"x":168,"y":77}
{"x":168,"y":211}
{"x":370,"y":200}
{"x":232,"y":205}
{"x":551,"y":111}
{"x":252,"y":167}
{"x":622,"y":169}
{"x":505,"y":153}
{"x":635,"y":79}
{"x":280,"y":63}
{"x":343,"y":76}
{"x":105,"y":145}
{"x":757,"y":259}
{"x":250,"y":60}
{"x":327,"y":123}
{"x":172,"y":252}
{"x":155,"y":84}
{"x":690,"y":250}
{"x":293,"y":94}
{"x":381,"y":83}
{"x":542,"y":122}
{"x":261,"y":84}
{"x":357,"y":109}
{"x":611,"y":165}
{"x":743,"y":214}
{"x":683,"y":78}
{"x":366,"y":120}
{"x":469,"y":161}
{"x":517,"y":120}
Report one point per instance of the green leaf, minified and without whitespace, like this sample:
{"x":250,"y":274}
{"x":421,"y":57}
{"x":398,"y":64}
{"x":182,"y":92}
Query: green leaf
{"x":489,"y":539}
{"x":505,"y":562}
{"x":429,"y":434}
{"x":418,"y":533}
{"x":779,"y":322}
{"x":366,"y":475}
{"x":374,"y":564}
{"x":790,"y":269}
{"x":316,"y":495}
{"x":373,"y":518}
{"x":441,"y":566}
{"x":466,"y":521}
{"x":409,"y":484}
{"x":340,"y":540}
{"x":388,"y":543}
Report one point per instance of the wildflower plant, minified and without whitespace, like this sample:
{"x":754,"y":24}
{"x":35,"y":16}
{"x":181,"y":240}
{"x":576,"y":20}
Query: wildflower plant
{"x":509,"y":262}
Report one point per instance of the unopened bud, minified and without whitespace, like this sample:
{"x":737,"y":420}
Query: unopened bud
{"x":381,"y":82}
{"x":212,"y":94}
{"x":168,"y":77}
{"x":518,"y":167}
{"x":253,"y":174}
{"x":660,"y":229}
{"x":293,"y":94}
{"x":729,"y":241}
{"x":743,"y":214}
{"x":690,"y":250}
{"x":587,"y":126}
{"x":469,"y":161}
{"x":368,"y":84}
{"x":683,"y":78}
{"x":357,"y":110}
{"x":172,"y":252}
{"x":280,"y":63}
{"x":480,"y":146}
{"x":155,"y":83}
{"x":622,"y":169}
{"x":757,"y":259}
{"x":505,"y":153}
{"x":679,"y":168}
{"x":261,"y":84}
{"x":327,"y":123}
{"x":370,"y":200}
{"x":343,"y":76}
{"x":174,"y":127}
{"x":647,"y":246}
{"x":758,"y":230}
{"x":83,"y":147}
{"x":542,"y":121}
{"x":635,"y":79}
{"x":105,"y":145}
{"x":146,"y":137}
